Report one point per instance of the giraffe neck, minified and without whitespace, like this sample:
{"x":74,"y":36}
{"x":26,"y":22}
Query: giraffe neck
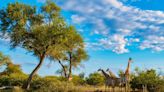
{"x":105,"y":74}
{"x":128,"y":69}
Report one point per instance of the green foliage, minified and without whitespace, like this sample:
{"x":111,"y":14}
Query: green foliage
{"x":52,"y":84}
{"x":121,"y":73}
{"x":45,"y":84}
{"x":95,"y":79}
{"x":4,"y":59}
{"x":44,"y":33}
{"x":147,"y":77}
{"x":12,"y":80}
{"x":13,"y":68}
{"x":82,"y":75}
{"x":12,"y":76}
{"x":77,"y":80}
{"x":36,"y":31}
{"x":71,"y":51}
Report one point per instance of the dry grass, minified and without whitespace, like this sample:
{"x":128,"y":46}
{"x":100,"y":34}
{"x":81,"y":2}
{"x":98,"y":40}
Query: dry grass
{"x":98,"y":89}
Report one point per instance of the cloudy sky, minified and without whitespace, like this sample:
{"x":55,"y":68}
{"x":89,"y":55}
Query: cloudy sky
{"x":114,"y":30}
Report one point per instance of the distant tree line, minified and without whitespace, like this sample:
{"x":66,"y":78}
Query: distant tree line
{"x":12,"y":75}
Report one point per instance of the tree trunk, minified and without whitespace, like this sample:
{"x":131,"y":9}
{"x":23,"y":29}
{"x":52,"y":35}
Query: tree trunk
{"x":65,"y":72}
{"x":70,"y":67}
{"x":27,"y":84}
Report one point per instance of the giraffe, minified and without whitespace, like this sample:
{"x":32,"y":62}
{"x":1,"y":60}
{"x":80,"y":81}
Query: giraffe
{"x":117,"y":81}
{"x":127,"y":75}
{"x":108,"y":80}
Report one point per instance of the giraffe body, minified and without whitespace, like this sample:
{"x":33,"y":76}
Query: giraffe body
{"x":109,"y":82}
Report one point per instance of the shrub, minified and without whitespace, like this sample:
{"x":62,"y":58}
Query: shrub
{"x":77,"y":80}
{"x":14,"y":79}
{"x":52,"y":84}
{"x":95,"y":79}
{"x":149,"y":78}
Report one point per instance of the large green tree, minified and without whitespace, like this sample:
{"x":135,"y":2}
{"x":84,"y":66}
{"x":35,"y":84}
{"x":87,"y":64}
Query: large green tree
{"x":36,"y":30}
{"x":75,"y":50}
{"x":71,"y":53}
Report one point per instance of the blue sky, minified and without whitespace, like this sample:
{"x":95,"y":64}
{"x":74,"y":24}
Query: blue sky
{"x":113,"y":30}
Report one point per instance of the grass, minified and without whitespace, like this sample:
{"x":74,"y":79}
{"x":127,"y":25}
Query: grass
{"x":74,"y":89}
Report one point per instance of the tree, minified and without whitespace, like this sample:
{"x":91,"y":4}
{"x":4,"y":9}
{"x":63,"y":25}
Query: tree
{"x":149,"y":77}
{"x":95,"y":79}
{"x":36,"y":30}
{"x":58,"y":54}
{"x":75,"y":51}
{"x":12,"y":75}
{"x":4,"y":59}
{"x":12,"y":68}
{"x":71,"y":51}
{"x":63,"y":70}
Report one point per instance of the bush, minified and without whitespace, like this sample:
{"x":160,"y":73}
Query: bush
{"x":52,"y":84}
{"x":77,"y":80}
{"x":95,"y":79}
{"x":149,"y":78}
{"x":14,"y":79}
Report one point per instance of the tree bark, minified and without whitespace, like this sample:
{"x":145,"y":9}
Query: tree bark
{"x":27,"y":84}
{"x":70,"y":67}
{"x":65,"y":72}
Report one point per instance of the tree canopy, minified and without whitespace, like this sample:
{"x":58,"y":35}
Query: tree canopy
{"x":42,"y":31}
{"x":149,"y":78}
{"x":4,"y":59}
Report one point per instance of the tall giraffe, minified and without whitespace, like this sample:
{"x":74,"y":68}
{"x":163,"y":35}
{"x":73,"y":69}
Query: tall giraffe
{"x":127,"y":72}
{"x":108,"y":80}
{"x":127,"y":75}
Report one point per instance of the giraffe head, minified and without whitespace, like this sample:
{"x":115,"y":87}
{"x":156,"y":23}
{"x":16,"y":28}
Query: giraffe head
{"x":107,"y":69}
{"x":99,"y":69}
{"x":130,"y":60}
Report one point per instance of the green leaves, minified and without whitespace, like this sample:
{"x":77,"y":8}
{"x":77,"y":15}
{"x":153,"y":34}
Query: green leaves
{"x":28,"y":27}
{"x":4,"y":59}
{"x":43,"y":32}
{"x":147,"y":77}
{"x":95,"y":79}
{"x":51,"y":8}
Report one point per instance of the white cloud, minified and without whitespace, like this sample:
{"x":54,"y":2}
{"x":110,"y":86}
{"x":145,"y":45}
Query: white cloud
{"x":124,"y":31}
{"x":93,"y":46}
{"x":77,"y":19}
{"x":153,"y":42}
{"x":154,"y":28}
{"x":116,"y":43}
{"x":135,"y":40}
{"x":118,"y":25}
{"x":115,"y":3}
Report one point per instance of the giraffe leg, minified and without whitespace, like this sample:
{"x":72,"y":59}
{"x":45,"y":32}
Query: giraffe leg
{"x":110,"y":89}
